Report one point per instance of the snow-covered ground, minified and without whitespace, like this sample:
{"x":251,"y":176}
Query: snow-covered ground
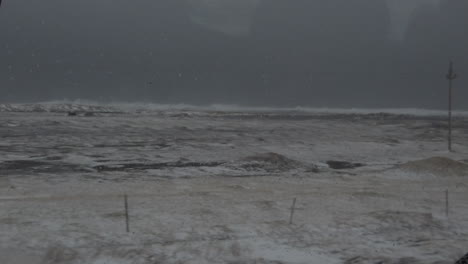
{"x":216,"y":185}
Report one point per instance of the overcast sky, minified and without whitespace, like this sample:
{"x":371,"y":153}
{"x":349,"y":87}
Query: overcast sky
{"x":270,"y":52}
{"x":234,"y":16}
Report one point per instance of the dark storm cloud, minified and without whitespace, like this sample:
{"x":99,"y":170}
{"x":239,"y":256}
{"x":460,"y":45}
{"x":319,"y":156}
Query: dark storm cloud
{"x":303,"y":52}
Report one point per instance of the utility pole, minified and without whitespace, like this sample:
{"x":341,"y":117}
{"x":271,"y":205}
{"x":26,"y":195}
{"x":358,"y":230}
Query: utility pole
{"x":451,"y":75}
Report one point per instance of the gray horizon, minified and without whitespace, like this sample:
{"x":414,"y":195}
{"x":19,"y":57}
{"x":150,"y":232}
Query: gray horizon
{"x":320,"y":53}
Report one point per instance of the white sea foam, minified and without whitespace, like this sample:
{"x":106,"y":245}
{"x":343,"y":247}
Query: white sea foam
{"x":132,"y":107}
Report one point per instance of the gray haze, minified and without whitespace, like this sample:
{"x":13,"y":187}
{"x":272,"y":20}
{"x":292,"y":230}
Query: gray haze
{"x":335,"y":53}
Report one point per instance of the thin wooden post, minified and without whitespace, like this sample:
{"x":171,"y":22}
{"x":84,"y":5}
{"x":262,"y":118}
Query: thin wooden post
{"x":447,"y":203}
{"x":127,"y":219}
{"x":451,"y":75}
{"x":292,"y":211}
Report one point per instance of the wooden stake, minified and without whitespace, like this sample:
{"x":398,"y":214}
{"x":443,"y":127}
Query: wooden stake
{"x":447,"y":203}
{"x":292,"y":211}
{"x":127,"y":220}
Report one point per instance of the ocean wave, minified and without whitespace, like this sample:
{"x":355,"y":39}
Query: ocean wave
{"x":139,"y":107}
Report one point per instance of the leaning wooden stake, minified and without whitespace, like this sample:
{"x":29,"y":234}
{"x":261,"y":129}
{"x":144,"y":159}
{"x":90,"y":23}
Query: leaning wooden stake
{"x":292,"y":211}
{"x":447,"y":203}
{"x":127,"y":220}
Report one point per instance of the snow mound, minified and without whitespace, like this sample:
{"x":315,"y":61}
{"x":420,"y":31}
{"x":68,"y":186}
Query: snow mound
{"x":439,"y":166}
{"x":270,"y":161}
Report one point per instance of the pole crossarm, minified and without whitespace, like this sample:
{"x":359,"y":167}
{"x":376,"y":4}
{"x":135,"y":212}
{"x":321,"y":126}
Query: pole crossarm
{"x":451,"y":75}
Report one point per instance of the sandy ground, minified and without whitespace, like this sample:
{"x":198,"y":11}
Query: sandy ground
{"x":218,"y":187}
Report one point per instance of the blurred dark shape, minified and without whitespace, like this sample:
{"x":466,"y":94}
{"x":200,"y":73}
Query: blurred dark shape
{"x":463,"y":260}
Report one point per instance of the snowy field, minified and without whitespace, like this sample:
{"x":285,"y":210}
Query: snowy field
{"x":216,"y":185}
